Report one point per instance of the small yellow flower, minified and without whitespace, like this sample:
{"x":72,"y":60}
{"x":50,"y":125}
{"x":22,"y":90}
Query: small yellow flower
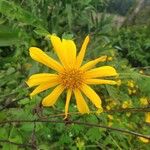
{"x":110,"y":117}
{"x":129,"y":91}
{"x":134,"y":91}
{"x":131,"y":83}
{"x":147,"y":117}
{"x":144,"y":140}
{"x":111,"y":104}
{"x":143,"y":101}
{"x":126,"y":104}
{"x":70,"y":74}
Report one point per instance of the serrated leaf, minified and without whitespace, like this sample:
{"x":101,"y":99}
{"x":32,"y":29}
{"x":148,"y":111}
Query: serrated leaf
{"x":41,"y":32}
{"x":93,"y":134}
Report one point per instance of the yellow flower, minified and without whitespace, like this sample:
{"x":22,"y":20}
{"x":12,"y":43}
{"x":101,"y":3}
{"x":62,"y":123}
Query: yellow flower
{"x":126,"y":104}
{"x":129,"y":91}
{"x":134,"y":91}
{"x":143,"y":101}
{"x":147,"y":117}
{"x":70,"y":74}
{"x":131,"y":83}
{"x":110,"y":117}
{"x":144,"y":140}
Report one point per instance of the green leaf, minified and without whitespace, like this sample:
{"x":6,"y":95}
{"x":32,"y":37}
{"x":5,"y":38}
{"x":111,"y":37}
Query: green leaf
{"x":8,"y":36}
{"x":144,"y":85}
{"x":14,"y":11}
{"x":41,"y":32}
{"x":4,"y":133}
{"x":93,"y":134}
{"x":9,"y":146}
{"x":27,"y":128}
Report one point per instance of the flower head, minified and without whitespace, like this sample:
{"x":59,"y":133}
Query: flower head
{"x":70,"y":74}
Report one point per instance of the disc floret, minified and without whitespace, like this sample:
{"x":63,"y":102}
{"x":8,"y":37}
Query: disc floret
{"x":71,"y":78}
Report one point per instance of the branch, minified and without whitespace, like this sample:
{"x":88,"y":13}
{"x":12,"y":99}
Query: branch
{"x":17,"y":100}
{"x":133,"y":110}
{"x":80,"y":123}
{"x":140,"y":109}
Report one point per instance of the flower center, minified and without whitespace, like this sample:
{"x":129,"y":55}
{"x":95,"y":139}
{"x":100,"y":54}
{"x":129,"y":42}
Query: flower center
{"x":71,"y":78}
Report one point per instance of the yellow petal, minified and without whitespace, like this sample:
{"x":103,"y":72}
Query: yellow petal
{"x":59,"y":48}
{"x":90,"y":93}
{"x":69,"y":92}
{"x":38,"y":55}
{"x":82,"y":51}
{"x":81,"y":104}
{"x":100,"y":81}
{"x":104,"y":71}
{"x":51,"y":99}
{"x":70,"y":49}
{"x":40,"y":78}
{"x":42,"y":87}
{"x":92,"y":63}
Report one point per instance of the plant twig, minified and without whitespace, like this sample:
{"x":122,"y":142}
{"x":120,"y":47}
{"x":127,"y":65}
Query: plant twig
{"x":17,"y":100}
{"x":133,"y":110}
{"x":140,"y":109}
{"x":80,"y":123}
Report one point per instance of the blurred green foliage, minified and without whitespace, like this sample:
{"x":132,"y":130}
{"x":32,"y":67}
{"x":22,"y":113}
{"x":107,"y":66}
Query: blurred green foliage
{"x":27,"y":23}
{"x":134,"y":44}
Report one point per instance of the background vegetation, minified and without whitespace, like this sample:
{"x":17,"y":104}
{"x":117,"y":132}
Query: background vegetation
{"x":25,"y":23}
